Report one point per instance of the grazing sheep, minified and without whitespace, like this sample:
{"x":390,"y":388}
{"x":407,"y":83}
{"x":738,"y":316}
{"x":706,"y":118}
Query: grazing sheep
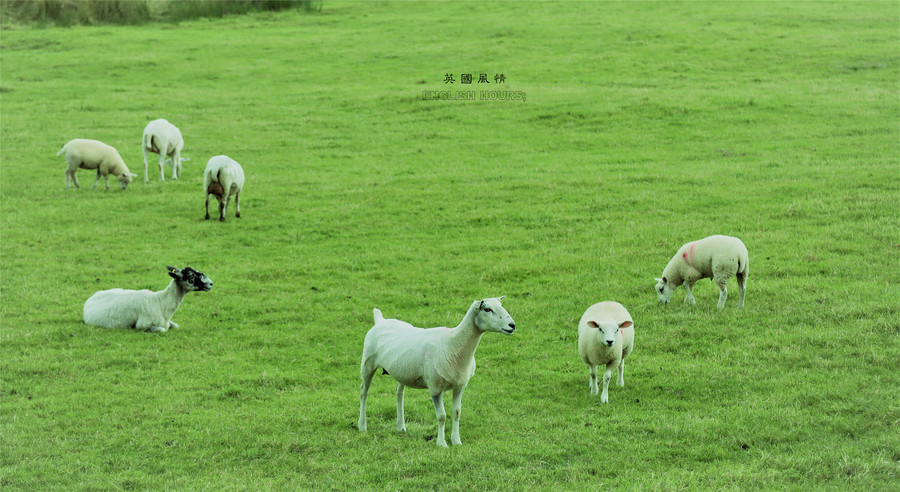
{"x":605,"y":337}
{"x":715,"y":257}
{"x":223,"y":178}
{"x":436,"y":358}
{"x":93,"y":154}
{"x":163,"y":138}
{"x":144,"y":309}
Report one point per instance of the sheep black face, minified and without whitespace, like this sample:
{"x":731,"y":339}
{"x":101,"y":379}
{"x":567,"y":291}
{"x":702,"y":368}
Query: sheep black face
{"x":492,"y":317}
{"x":190,"y":279}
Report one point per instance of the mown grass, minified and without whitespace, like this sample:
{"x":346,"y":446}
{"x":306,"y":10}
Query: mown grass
{"x":644,"y":126}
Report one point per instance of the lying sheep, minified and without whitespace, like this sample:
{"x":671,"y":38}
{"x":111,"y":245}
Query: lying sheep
{"x":163,"y":138}
{"x":605,"y":338}
{"x":715,"y":257}
{"x":223,"y":178}
{"x":436,"y":358}
{"x":93,"y":154}
{"x":144,"y":309}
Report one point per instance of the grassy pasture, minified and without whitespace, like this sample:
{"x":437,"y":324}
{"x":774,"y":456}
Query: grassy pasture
{"x":644,"y":126}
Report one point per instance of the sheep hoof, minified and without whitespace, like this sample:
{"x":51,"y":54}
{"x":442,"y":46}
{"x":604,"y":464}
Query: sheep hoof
{"x":221,"y":219}
{"x":207,"y":216}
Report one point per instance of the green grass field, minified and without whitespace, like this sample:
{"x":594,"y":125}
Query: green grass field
{"x":643,"y":126}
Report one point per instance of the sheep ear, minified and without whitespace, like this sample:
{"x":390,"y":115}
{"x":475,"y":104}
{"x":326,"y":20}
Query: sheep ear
{"x":500,"y":298}
{"x":593,"y":324}
{"x":625,"y":324}
{"x":658,"y":279}
{"x":173,"y":272}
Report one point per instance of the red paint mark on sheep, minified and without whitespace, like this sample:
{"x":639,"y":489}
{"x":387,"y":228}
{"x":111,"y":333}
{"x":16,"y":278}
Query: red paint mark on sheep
{"x":688,"y":255}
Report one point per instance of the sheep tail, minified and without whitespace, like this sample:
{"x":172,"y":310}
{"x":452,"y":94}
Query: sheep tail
{"x":376,"y":313}
{"x":62,"y":150}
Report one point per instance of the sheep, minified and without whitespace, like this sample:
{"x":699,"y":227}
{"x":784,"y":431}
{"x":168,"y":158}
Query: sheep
{"x":605,"y":337}
{"x":223,"y":178}
{"x":716,"y":257}
{"x":163,"y":138}
{"x":436,"y":358}
{"x":93,"y":154}
{"x":144,"y":309}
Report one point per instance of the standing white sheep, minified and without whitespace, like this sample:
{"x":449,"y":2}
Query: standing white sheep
{"x":144,"y":309}
{"x":93,"y":154}
{"x":163,"y":138}
{"x":438,"y":359}
{"x":223,"y":178}
{"x":605,"y":338}
{"x":715,"y":257}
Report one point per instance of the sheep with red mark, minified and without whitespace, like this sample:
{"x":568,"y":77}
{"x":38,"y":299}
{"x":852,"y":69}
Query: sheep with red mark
{"x":94,"y":154}
{"x":165,"y":139}
{"x":716,"y":257}
{"x":436,"y":359}
{"x":605,"y":338}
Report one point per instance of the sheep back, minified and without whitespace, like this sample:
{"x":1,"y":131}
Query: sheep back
{"x":413,"y":361}
{"x":162,"y":137}
{"x":93,"y":154}
{"x":709,"y":254}
{"x":116,"y":308}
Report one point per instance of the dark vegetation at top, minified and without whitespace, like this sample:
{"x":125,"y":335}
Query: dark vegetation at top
{"x":90,"y":12}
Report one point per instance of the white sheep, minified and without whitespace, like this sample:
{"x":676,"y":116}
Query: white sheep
{"x":436,"y":358}
{"x":223,"y":178}
{"x":163,"y":138}
{"x":605,"y":338}
{"x":715,"y":257}
{"x":93,"y":154}
{"x":144,"y":309}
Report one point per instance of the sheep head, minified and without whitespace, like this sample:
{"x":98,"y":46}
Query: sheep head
{"x":664,"y":291}
{"x":492,"y":317}
{"x":190,"y":279}
{"x":606,"y":330}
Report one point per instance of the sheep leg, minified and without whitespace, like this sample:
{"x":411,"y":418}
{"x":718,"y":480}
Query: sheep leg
{"x":607,"y":375}
{"x":620,"y":381}
{"x":70,"y":176}
{"x":689,"y":297}
{"x":723,"y":291}
{"x":457,"y":411}
{"x":162,"y":165}
{"x":366,"y":374}
{"x":237,"y":204}
{"x":593,"y":382}
{"x":438,"y":401}
{"x":742,"y":285}
{"x":173,"y":324}
{"x":146,"y":176}
{"x":207,"y":205}
{"x":401,"y":420}
{"x":176,"y":164}
{"x":223,"y":204}
{"x":158,"y":329}
{"x":96,"y":180}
